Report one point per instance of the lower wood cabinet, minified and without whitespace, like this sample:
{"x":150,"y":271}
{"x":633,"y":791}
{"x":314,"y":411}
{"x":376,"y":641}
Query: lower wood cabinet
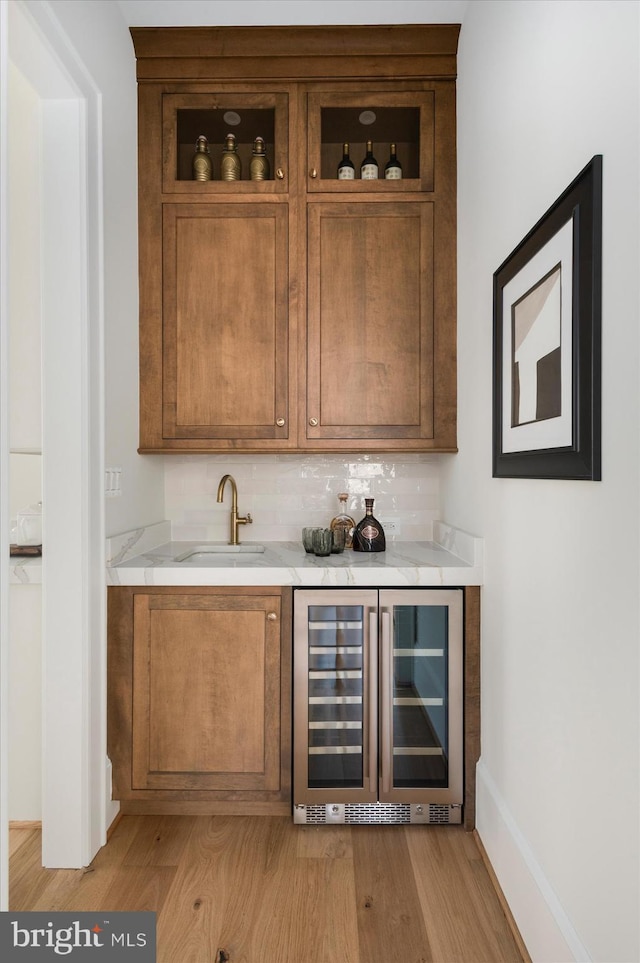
{"x":199,"y":698}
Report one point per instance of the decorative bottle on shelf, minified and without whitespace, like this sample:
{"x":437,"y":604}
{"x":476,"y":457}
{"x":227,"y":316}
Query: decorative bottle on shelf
{"x":259,"y":166}
{"x":201,"y":164}
{"x":369,"y":166}
{"x":230,"y":166}
{"x":342,"y":520}
{"x":368,"y":535}
{"x":346,"y":169}
{"x":393,"y":167}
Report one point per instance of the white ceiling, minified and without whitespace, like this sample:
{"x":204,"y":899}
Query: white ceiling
{"x":206,"y":13}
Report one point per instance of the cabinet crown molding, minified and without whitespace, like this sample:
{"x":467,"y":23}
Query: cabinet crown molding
{"x":225,"y":53}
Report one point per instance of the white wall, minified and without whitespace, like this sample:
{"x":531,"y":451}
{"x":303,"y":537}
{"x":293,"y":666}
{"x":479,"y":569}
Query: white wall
{"x":25,"y":470}
{"x":543,"y":86}
{"x":101,"y":38}
{"x":25,"y":151}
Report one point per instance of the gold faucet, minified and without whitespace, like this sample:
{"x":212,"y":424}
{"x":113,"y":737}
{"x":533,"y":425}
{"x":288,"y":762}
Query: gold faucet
{"x":235,"y":518}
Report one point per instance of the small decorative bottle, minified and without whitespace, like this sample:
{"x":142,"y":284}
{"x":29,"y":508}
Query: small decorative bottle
{"x":393,"y":168}
{"x":201,"y":164}
{"x":342,"y":520}
{"x":368,"y":535}
{"x":230,"y":166}
{"x":259,"y":166}
{"x":346,"y":169}
{"x":369,"y":166}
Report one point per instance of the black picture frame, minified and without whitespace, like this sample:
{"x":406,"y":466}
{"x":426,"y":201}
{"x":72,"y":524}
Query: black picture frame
{"x":547,"y":407}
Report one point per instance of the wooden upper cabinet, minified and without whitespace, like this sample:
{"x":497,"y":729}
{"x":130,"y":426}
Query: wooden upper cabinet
{"x":225,"y":325}
{"x":299,"y":312}
{"x":370,"y":328}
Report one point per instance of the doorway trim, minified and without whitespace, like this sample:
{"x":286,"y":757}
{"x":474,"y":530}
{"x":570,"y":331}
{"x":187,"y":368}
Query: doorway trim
{"x":74,"y":594}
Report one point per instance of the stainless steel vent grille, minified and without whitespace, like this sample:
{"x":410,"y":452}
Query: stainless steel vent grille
{"x":441,"y":814}
{"x":377,"y":813}
{"x":315,"y":814}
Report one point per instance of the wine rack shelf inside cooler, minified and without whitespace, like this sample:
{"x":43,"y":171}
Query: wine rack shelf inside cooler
{"x":336,"y":643}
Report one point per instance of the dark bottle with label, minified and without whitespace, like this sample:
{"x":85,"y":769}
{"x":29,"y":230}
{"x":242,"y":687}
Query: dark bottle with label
{"x":369,"y":166}
{"x":346,"y":169}
{"x":393,"y":169}
{"x":368,"y":535}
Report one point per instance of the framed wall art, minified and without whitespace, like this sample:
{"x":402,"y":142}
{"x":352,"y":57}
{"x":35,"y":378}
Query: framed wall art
{"x":546,"y":341}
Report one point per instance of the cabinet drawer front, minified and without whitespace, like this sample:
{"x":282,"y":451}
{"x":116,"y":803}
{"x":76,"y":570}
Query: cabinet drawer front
{"x":225,"y":321}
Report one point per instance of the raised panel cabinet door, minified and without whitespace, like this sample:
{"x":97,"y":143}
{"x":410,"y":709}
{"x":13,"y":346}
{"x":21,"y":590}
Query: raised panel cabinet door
{"x":206,"y":692}
{"x":370,"y":352}
{"x":225,"y":321}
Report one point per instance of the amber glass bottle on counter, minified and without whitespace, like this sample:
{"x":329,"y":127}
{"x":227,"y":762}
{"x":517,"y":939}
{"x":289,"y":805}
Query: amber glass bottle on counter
{"x":368,"y":535}
{"x":342,"y":520}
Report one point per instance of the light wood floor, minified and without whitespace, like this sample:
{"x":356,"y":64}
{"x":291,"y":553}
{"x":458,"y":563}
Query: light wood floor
{"x":261,"y":890}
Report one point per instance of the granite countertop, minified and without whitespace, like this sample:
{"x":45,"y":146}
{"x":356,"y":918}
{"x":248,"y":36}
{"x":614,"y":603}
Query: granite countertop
{"x":452,"y":558}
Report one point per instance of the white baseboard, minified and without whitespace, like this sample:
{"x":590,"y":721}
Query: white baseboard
{"x":545,"y":928}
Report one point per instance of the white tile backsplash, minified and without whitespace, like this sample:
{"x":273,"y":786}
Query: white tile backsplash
{"x":285,"y":492}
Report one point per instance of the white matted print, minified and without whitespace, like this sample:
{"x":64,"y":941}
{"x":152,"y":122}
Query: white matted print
{"x":537,"y":349}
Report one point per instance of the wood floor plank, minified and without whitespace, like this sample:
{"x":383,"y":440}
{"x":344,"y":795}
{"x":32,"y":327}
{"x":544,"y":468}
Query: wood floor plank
{"x":462,"y":913}
{"x":328,"y":842}
{"x":19,"y":836}
{"x":307,"y":912}
{"x":262,"y":879}
{"x":324,"y":924}
{"x":27,"y":878}
{"x":390,"y":916}
{"x":139,"y":888}
{"x":188,"y":929}
{"x":159,"y":841}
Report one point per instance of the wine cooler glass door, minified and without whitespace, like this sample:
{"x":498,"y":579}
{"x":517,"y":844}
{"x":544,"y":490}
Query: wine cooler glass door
{"x":421,"y":696}
{"x":335,"y":665}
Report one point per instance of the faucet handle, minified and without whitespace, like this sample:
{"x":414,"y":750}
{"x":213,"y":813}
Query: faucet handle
{"x":249,"y":518}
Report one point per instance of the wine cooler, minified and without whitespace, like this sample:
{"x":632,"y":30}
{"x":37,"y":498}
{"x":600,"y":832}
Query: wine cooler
{"x":378,"y":706}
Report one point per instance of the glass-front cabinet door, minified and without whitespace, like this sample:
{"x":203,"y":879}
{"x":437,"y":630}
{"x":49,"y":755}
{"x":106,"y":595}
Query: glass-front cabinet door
{"x":215,"y":115}
{"x":404,"y":119}
{"x":335,"y":696}
{"x":421,"y":696}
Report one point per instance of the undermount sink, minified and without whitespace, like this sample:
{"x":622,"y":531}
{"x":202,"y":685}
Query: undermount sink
{"x":200,"y":552}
